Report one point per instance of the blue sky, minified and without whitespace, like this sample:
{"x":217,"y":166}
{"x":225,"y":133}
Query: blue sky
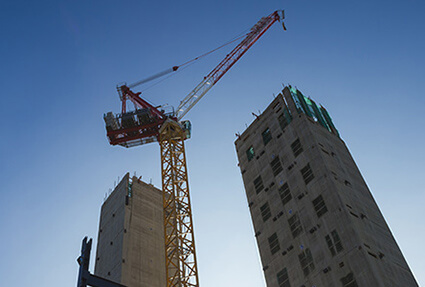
{"x":60,"y":62}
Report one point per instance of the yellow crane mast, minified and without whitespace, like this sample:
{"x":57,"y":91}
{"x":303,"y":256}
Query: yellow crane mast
{"x":180,"y":261}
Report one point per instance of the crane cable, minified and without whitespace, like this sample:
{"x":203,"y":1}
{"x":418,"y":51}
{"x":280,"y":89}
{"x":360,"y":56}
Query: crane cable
{"x":184,"y":65}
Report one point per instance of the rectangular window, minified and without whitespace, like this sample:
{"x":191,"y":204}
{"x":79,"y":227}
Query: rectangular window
{"x":307,"y":174}
{"x":285,"y":193}
{"x":285,"y":118}
{"x":295,"y":225}
{"x":349,"y":280}
{"x":282,"y":121}
{"x":267,"y":136}
{"x":334,"y":242}
{"x":250,"y":153}
{"x":296,"y":147}
{"x":274,"y":243}
{"x":319,"y":206}
{"x":306,"y":261}
{"x":258,"y":184}
{"x":265,"y":211}
{"x":283,"y":278}
{"x":276,"y":166}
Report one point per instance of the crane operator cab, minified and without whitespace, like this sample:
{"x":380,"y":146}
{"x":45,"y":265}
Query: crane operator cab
{"x":187,"y":128}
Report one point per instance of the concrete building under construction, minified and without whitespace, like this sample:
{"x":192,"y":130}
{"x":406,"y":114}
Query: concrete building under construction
{"x":315,"y":220}
{"x":130,"y":248}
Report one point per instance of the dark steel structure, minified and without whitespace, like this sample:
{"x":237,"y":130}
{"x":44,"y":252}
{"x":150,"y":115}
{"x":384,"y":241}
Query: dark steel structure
{"x":84,"y":277}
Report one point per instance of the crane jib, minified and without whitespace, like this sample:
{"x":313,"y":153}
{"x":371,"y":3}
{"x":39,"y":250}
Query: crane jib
{"x":215,"y":75}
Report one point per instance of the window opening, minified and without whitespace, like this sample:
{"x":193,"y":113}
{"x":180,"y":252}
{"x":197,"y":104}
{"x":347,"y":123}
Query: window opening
{"x":283,"y":278}
{"x":295,"y":225}
{"x":250,"y":153}
{"x":258,"y":184}
{"x":306,"y":261}
{"x":276,"y":166}
{"x":285,"y":193}
{"x":282,"y":121}
{"x":296,"y":147}
{"x":267,"y":136}
{"x":349,"y":280}
{"x":265,"y":211}
{"x":307,"y":174}
{"x":319,"y":206}
{"x":130,"y":189}
{"x":274,"y":243}
{"x":334,"y":242}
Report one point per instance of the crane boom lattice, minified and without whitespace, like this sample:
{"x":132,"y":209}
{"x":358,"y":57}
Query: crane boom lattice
{"x":206,"y":84}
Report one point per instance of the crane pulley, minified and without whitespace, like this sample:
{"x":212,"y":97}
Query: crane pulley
{"x":148,"y":123}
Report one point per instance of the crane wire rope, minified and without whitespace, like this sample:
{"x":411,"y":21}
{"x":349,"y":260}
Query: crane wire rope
{"x":184,"y":65}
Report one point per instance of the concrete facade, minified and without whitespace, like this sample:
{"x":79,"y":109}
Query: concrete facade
{"x":315,"y":220}
{"x":130,"y":248}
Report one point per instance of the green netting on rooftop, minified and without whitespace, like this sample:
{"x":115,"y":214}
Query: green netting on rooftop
{"x":308,"y":107}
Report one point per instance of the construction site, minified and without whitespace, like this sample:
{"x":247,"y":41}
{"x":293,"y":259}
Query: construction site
{"x":230,"y":143}
{"x":315,"y":220}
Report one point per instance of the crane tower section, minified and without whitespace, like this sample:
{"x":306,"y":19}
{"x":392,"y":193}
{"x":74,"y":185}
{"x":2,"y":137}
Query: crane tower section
{"x":180,"y":261}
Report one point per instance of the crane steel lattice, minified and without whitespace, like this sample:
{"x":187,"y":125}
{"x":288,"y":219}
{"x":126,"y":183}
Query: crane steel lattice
{"x":148,"y":124}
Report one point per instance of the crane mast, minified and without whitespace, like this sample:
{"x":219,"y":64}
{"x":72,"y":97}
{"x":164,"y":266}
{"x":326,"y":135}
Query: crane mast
{"x":147,"y":124}
{"x":180,"y":261}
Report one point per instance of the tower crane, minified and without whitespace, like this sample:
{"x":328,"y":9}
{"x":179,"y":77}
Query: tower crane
{"x":148,"y":123}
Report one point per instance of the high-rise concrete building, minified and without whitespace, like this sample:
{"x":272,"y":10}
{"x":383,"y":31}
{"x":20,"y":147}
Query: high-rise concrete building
{"x":315,"y":220}
{"x":130,"y":248}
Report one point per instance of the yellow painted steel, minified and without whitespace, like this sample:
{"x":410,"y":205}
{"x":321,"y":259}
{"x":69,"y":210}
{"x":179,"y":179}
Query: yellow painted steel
{"x":180,"y":256}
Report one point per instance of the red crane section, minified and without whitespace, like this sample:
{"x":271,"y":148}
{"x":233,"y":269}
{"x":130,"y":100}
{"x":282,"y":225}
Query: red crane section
{"x":136,"y":127}
{"x":142,"y":125}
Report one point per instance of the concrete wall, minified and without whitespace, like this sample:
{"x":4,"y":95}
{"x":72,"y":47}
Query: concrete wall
{"x":132,"y":220}
{"x":369,"y":251}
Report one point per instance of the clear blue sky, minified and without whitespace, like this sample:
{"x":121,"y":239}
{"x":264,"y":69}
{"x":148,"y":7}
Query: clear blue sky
{"x":60,"y":62}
